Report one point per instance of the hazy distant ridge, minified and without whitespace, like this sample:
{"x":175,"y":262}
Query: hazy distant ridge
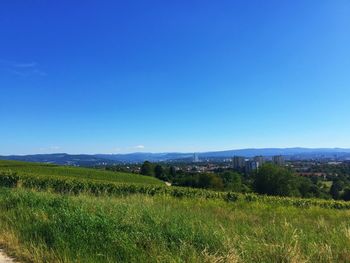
{"x":85,"y":159}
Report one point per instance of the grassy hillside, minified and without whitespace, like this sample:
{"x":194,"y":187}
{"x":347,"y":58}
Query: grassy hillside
{"x":65,"y":172}
{"x":45,"y":227}
{"x":64,"y":214}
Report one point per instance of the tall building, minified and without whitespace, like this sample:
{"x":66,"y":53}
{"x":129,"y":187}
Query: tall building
{"x":278,"y":160}
{"x":238,"y":162}
{"x":251,"y":166}
{"x":260,"y":160}
{"x":195,"y":158}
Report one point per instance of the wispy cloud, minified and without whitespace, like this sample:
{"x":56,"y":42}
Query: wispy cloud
{"x":26,"y":65}
{"x":139,"y":147}
{"x":23,"y":69}
{"x":39,"y":72}
{"x":55,"y":147}
{"x":126,"y":149}
{"x":49,"y":149}
{"x":117,"y":149}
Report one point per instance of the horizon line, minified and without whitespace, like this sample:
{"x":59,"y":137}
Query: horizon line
{"x":185,"y":152}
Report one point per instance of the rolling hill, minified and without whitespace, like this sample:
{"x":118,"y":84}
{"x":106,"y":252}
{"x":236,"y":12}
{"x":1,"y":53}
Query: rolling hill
{"x":90,"y":160}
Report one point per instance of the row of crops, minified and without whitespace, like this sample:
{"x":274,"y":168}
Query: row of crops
{"x":67,"y":172}
{"x":74,"y":186}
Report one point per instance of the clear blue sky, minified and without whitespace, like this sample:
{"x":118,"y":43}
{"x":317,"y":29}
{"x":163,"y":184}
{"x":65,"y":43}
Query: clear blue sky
{"x":125,"y":76}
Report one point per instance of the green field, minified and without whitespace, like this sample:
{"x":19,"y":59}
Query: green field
{"x":56,"y":217}
{"x":44,"y":227}
{"x":48,"y":170}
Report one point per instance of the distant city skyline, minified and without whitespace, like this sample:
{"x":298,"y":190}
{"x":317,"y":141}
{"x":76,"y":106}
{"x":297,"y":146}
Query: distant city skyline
{"x":158,"y":76}
{"x":244,"y":160}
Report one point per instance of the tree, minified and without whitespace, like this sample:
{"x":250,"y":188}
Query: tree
{"x":336,"y":187}
{"x":147,"y":168}
{"x":305,"y":186}
{"x":275,"y":180}
{"x":232,"y":181}
{"x":346,"y":195}
{"x":209,"y":181}
{"x":205,"y":180}
{"x":172,"y":172}
{"x":159,"y":173}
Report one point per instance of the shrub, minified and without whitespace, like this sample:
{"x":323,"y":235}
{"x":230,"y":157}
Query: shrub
{"x":8,"y":179}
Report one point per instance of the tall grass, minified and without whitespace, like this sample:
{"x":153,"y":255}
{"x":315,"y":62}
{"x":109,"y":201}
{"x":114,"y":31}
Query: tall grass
{"x":45,"y":227}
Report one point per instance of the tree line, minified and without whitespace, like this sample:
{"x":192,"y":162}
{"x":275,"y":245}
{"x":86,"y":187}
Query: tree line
{"x":269,"y":179}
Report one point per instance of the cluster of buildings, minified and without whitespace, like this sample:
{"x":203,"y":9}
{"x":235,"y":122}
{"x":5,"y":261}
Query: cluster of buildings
{"x":239,"y":163}
{"x":253,"y":164}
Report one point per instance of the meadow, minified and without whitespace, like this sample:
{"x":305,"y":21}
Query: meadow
{"x":46,"y":227}
{"x":54,"y":218}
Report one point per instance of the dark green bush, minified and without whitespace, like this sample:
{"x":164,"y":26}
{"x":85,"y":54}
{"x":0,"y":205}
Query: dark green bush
{"x":8,"y":179}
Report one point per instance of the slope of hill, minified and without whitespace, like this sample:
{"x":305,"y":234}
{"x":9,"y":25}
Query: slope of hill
{"x":58,"y":158}
{"x":66,"y":172}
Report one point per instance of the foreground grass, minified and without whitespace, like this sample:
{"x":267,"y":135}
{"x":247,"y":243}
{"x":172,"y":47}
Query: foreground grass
{"x":45,"y":227}
{"x":66,"y":172}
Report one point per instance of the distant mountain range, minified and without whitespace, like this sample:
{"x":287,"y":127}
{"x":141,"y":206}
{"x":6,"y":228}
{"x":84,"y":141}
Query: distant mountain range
{"x":87,"y":160}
